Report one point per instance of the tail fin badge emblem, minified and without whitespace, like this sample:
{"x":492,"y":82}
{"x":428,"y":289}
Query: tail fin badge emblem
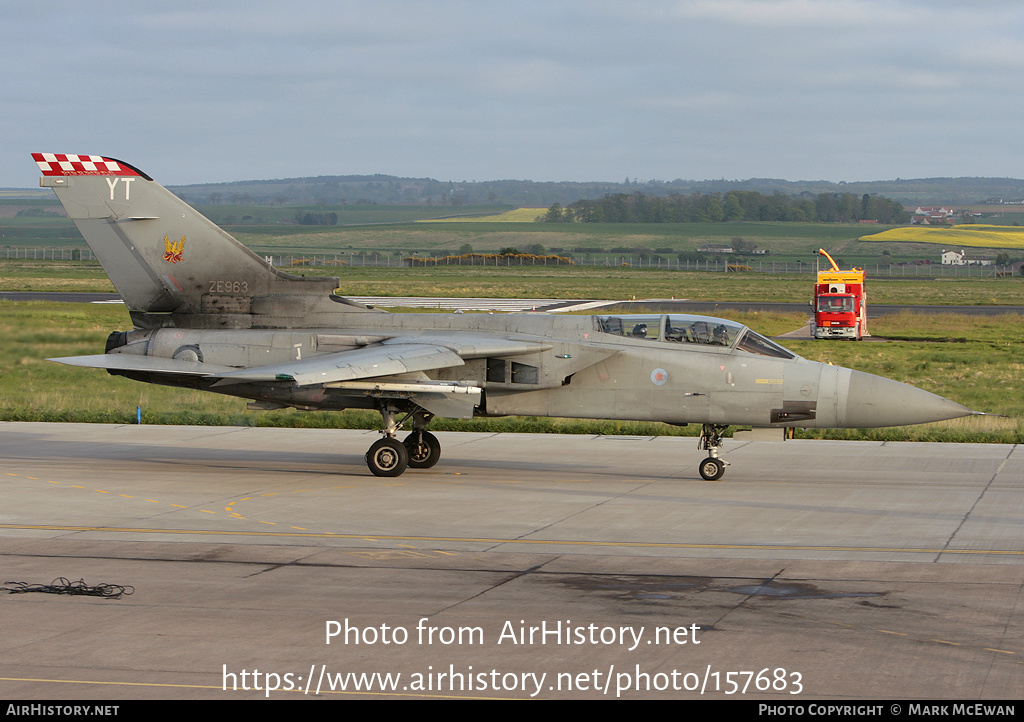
{"x":174,"y":251}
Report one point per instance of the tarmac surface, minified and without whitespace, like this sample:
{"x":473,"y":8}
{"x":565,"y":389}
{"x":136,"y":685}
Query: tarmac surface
{"x":813,"y":570}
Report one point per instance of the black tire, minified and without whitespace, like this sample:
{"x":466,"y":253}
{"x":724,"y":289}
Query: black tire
{"x":711,"y":469}
{"x":387,"y":457}
{"x":424,"y":451}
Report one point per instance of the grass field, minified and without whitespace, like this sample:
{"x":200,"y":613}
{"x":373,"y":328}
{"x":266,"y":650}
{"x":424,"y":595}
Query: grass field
{"x":399,"y":230}
{"x":792,"y":240}
{"x":590,"y":282}
{"x":394,"y":229}
{"x":28,"y":275}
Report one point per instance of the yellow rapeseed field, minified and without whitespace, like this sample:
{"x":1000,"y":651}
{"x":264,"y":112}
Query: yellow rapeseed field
{"x":972,"y":235}
{"x":519,"y":215}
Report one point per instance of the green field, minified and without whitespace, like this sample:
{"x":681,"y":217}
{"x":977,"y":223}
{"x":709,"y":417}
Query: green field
{"x":28,"y":275}
{"x":785,"y":240}
{"x":395,"y":230}
{"x":587,"y":282}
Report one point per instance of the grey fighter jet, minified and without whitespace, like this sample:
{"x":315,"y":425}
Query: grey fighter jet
{"x":210,"y":314}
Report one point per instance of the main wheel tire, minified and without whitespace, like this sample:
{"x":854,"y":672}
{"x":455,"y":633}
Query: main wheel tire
{"x":387,"y":457}
{"x":424,"y":451}
{"x":712,"y":469}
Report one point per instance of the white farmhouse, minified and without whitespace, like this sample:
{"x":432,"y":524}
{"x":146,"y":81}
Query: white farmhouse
{"x":960,"y":258}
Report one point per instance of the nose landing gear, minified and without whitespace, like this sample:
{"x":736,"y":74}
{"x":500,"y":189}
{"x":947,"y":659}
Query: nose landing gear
{"x":712,"y":468}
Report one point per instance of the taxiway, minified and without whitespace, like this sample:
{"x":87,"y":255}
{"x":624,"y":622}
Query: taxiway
{"x":854,"y":570}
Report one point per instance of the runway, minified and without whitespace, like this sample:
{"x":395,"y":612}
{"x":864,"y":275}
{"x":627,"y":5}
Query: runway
{"x":521,"y":566}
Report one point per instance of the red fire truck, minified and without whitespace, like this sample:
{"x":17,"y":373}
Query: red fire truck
{"x":840,"y":303}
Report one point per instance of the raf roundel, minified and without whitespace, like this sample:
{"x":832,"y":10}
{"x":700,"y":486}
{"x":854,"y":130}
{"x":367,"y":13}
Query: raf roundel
{"x":659,"y":376}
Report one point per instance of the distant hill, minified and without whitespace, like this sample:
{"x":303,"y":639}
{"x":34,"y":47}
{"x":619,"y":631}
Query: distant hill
{"x":387,"y":189}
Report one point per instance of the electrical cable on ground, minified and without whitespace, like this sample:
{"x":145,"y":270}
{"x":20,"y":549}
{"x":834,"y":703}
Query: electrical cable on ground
{"x":62,"y":585}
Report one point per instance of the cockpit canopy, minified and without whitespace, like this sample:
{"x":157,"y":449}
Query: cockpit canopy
{"x":686,"y":329}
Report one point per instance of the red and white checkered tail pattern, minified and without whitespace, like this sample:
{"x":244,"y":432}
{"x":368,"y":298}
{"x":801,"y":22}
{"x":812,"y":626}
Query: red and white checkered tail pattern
{"x":66,"y":164}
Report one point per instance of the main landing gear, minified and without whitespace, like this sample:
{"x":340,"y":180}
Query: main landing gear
{"x":419,"y":450}
{"x":712,"y":468}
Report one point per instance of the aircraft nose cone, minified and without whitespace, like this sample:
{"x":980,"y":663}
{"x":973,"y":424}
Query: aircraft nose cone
{"x":877,"y":401}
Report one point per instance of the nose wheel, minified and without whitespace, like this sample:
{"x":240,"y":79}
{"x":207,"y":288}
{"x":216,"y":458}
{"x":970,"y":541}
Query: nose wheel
{"x":712,"y":468}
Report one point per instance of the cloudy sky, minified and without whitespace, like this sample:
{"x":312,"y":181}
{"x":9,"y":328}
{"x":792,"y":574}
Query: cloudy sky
{"x":194,"y":91}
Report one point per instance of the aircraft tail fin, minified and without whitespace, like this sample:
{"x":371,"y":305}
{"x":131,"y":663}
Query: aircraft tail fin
{"x":171,"y":265}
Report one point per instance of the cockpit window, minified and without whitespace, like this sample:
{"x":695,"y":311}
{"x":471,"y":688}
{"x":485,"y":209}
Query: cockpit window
{"x":675,"y":328}
{"x":685,"y":329}
{"x":701,"y":329}
{"x":647,"y":326}
{"x":756,"y":343}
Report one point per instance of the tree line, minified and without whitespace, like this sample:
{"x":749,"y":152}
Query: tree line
{"x":316,"y":219}
{"x":732,"y":206}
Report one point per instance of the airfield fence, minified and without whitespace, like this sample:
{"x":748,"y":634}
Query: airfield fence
{"x":37,"y":253}
{"x":398,"y":260}
{"x":893,"y":270}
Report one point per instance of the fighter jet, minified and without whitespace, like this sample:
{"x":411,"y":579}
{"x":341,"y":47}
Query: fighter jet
{"x":210,"y":314}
